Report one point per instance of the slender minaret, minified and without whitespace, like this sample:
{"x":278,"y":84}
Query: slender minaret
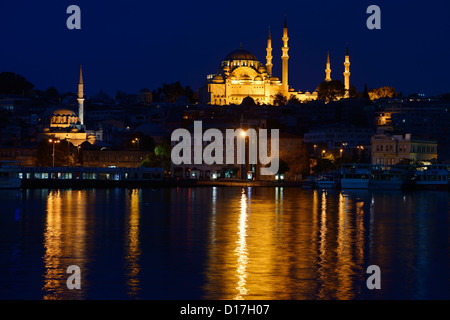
{"x":269,"y":64}
{"x":328,"y":69}
{"x":347,"y":74}
{"x":285,"y":58}
{"x":81,"y":98}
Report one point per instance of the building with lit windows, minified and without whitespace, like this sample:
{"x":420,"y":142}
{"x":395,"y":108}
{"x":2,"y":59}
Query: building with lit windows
{"x":391,"y":150}
{"x":62,"y":123}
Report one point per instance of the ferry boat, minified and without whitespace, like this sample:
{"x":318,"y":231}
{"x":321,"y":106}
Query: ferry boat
{"x":391,"y":179}
{"x":309,"y":183}
{"x":433,"y":177}
{"x":9,"y":175}
{"x":327,"y":182}
{"x":355,"y":176}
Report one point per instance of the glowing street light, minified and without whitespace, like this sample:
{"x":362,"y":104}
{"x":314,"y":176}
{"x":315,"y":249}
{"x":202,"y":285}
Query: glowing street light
{"x":136,"y":141}
{"x":243,"y":165}
{"x":53,"y":141}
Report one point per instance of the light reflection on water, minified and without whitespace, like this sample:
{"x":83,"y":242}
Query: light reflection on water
{"x":224,"y":243}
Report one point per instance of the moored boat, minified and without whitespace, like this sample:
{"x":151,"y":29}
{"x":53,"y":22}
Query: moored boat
{"x":432,"y":177}
{"x":327,"y":182}
{"x":309,"y":183}
{"x":9,"y":175}
{"x":390,"y":179}
{"x":355,"y":176}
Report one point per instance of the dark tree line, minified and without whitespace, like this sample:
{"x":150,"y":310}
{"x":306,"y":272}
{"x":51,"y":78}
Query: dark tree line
{"x":172,"y":91}
{"x":11,"y":83}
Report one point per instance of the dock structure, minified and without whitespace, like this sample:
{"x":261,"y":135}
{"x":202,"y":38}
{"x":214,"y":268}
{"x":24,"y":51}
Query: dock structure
{"x":89,"y":177}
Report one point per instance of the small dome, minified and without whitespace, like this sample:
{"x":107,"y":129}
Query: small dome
{"x":258,"y":78}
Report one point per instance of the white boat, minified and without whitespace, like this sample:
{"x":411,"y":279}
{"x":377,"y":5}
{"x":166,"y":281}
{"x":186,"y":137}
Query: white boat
{"x":355,"y":176}
{"x":309,"y":183}
{"x":389,"y":180}
{"x":432,"y":177}
{"x":326,"y":182}
{"x":9,"y":175}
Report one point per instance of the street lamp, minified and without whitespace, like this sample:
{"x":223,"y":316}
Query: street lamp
{"x":136,"y":141}
{"x":53,"y":141}
{"x":243,"y":165}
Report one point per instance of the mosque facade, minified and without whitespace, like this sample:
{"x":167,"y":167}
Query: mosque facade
{"x":241,"y":75}
{"x":61,"y":123}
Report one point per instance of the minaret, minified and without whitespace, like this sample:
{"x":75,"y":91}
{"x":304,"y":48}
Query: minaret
{"x":347,"y":74}
{"x":81,"y":98}
{"x":328,"y":69}
{"x":269,"y":64}
{"x":285,"y":58}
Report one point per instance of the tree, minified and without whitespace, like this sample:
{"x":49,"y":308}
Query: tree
{"x":330,"y":90}
{"x":11,"y":83}
{"x":382,"y":92}
{"x":283,"y":166}
{"x":163,"y":151}
{"x":170,"y":93}
{"x":365,"y":94}
{"x":352,"y":92}
{"x":294,"y":100}
{"x":279,"y":100}
{"x":52,"y":92}
{"x":294,"y":157}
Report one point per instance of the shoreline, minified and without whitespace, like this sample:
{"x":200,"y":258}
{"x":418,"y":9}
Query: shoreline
{"x":106,"y":184}
{"x":87,"y":184}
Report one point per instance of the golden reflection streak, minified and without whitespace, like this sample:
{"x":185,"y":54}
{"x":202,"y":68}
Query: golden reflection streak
{"x":344,"y":257}
{"x":64,"y":243}
{"x":360,"y":233}
{"x":52,"y":245}
{"x":323,"y":242}
{"x":242,"y":251}
{"x":132,"y":246}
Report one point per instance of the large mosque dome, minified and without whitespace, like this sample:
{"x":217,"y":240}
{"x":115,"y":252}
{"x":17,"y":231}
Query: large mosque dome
{"x":60,"y":117}
{"x":240,"y":54}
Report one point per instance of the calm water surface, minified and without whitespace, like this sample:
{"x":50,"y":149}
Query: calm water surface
{"x":224,"y":243}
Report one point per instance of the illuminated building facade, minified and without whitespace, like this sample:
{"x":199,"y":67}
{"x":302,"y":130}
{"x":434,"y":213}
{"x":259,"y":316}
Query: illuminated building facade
{"x":64,"y":124}
{"x":390,"y":150}
{"x":241,"y":75}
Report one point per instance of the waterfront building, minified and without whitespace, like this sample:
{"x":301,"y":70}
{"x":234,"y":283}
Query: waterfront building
{"x":338,"y":136}
{"x":396,"y":149}
{"x":113,"y":158}
{"x":26,"y":155}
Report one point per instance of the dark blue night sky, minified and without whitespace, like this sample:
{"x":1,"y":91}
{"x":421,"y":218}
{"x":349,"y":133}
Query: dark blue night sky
{"x":130,"y":45}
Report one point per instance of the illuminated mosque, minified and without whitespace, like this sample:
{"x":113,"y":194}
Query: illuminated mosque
{"x":241,"y":75}
{"x":61,"y":123}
